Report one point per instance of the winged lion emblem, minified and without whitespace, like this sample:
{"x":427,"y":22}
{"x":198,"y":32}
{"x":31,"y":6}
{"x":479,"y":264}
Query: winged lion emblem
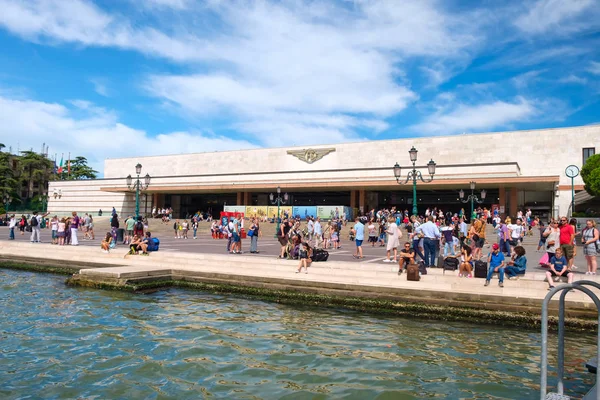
{"x":310,"y":156}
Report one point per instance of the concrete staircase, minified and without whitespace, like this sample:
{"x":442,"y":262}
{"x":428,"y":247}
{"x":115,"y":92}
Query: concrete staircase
{"x":361,"y":279}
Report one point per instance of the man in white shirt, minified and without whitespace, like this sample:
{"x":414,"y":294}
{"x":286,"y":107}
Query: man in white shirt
{"x":318,"y":232}
{"x":517,"y":232}
{"x":11,"y":226}
{"x":311,"y":228}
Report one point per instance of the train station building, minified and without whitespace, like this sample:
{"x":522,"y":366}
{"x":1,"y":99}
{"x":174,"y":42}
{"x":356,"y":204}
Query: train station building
{"x":518,"y":170}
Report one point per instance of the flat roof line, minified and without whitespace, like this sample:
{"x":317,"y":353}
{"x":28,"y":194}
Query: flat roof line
{"x":359,"y":141}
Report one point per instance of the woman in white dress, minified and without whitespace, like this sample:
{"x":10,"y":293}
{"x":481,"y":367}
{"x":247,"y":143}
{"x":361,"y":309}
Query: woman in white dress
{"x":393,"y":239}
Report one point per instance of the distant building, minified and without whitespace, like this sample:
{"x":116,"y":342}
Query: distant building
{"x":519,"y":170}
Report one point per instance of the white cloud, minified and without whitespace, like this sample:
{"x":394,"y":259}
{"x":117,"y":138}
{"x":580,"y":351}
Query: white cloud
{"x":573,"y":79}
{"x":476,"y":118}
{"x":308,"y":58}
{"x":100,"y":86}
{"x":95,"y":133}
{"x":594,"y":68}
{"x":555,"y":16}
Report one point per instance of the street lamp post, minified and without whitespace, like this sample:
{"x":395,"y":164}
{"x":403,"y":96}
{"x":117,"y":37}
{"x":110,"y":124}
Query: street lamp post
{"x":6,"y":199}
{"x":414,"y":175}
{"x":138,"y":186}
{"x":279,"y":201}
{"x":472,"y":197}
{"x":44,"y":200}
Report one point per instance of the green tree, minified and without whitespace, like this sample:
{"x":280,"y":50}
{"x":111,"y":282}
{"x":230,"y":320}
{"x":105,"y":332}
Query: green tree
{"x":8,"y":183}
{"x":81,"y":170}
{"x":590,"y":173}
{"x":36,"y":170}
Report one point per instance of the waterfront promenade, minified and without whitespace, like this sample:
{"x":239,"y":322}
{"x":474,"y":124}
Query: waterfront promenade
{"x":341,"y":277}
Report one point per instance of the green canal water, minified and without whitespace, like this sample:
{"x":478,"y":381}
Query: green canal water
{"x":58,"y":342}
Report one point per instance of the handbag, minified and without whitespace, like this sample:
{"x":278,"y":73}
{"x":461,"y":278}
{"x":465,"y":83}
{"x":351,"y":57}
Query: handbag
{"x":544,"y":260}
{"x":251,"y":233}
{"x":28,"y":228}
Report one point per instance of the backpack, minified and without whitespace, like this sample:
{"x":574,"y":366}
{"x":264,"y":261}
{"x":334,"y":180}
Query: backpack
{"x":34,"y":221}
{"x":22,"y":222}
{"x":139,"y":226}
{"x":320,"y":255}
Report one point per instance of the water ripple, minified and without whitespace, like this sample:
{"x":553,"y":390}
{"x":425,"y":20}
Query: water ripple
{"x":60,"y":343}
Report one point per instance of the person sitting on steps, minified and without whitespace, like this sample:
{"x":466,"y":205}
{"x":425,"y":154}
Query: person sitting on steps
{"x":496,"y":263}
{"x":558,"y":268}
{"x":407,"y":256}
{"x":517,"y":264}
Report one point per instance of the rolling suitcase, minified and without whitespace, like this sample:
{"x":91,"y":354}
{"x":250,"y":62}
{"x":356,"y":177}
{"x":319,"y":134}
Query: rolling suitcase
{"x":450,"y":264}
{"x":422,"y":267}
{"x":412,"y":272}
{"x":481,"y":269}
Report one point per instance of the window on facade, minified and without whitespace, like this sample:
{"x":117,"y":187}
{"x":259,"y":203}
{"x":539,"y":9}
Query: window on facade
{"x":587,"y":153}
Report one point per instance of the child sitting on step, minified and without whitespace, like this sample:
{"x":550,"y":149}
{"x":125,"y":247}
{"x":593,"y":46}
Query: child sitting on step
{"x":304,"y":257}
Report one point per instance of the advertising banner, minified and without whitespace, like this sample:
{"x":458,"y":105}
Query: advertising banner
{"x":256,"y":211}
{"x":304,"y":211}
{"x":329,"y":212}
{"x":349,"y":213}
{"x":272,"y":211}
{"x":235,"y":209}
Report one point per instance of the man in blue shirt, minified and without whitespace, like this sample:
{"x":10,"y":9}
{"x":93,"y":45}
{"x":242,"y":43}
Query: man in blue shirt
{"x":496,"y":262}
{"x":359,"y":235}
{"x":431,"y":235}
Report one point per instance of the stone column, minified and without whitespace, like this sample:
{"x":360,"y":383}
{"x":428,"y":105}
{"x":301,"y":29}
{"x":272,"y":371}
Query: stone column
{"x":353,"y":199}
{"x":239,"y":199}
{"x":361,"y":201}
{"x":502,"y":201}
{"x":247,"y":199}
{"x":512,"y":202}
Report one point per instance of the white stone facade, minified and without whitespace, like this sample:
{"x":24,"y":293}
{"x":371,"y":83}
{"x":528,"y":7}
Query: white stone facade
{"x":523,"y":160}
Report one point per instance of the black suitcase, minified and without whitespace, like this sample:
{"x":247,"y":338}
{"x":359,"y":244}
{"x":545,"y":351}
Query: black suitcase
{"x":412,"y":272}
{"x":481,"y":269}
{"x":320,"y":255}
{"x":451,"y":264}
{"x":422,"y":268}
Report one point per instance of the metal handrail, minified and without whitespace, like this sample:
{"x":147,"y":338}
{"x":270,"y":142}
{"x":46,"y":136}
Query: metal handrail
{"x":579,"y":285}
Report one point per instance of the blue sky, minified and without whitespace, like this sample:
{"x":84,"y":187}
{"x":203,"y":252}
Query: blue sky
{"x":107,"y":79}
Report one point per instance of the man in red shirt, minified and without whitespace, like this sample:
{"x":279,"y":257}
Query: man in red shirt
{"x":567,"y":238}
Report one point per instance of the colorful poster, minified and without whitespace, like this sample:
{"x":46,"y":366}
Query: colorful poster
{"x":304,"y":211}
{"x":235,"y":209}
{"x":329,"y":212}
{"x":272,"y":211}
{"x":256,"y":211}
{"x":349,"y":214}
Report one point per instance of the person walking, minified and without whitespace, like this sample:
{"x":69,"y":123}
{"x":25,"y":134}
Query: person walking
{"x":431,"y":236}
{"x":114,"y":226}
{"x":255,"y":229}
{"x":74,"y":228}
{"x":393,"y":241}
{"x":589,"y":238}
{"x":359,"y":236}
{"x":11,"y":227}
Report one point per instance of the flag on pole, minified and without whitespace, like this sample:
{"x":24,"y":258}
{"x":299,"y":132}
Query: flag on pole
{"x":69,"y":165}
{"x":60,"y":167}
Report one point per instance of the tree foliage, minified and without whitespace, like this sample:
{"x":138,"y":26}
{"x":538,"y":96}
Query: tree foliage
{"x":81,"y":170}
{"x":35,"y":169}
{"x":590,"y":173}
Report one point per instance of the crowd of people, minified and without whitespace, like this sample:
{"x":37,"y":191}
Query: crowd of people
{"x":430,"y":239}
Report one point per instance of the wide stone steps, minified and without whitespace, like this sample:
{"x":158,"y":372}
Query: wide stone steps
{"x":167,"y":264}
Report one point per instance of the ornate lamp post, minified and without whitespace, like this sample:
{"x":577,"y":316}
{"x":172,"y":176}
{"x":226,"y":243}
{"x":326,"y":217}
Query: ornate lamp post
{"x":44,"y":200}
{"x":6,"y":199}
{"x":138,"y":186}
{"x":279,"y":201}
{"x":472,"y":197}
{"x":414,"y":175}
